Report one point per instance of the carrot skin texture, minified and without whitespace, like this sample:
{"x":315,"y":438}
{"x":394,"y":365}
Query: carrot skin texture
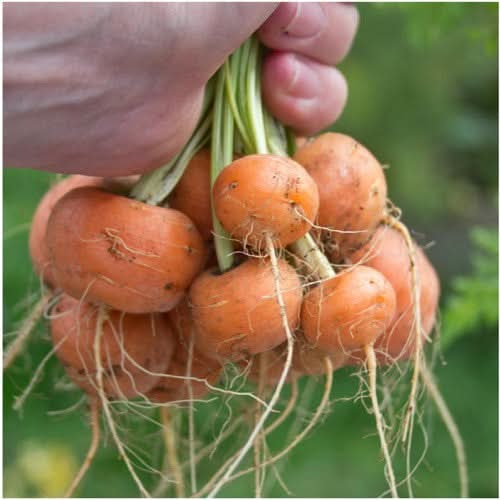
{"x":352,"y":190}
{"x":348,"y":311}
{"x":116,"y":251}
{"x":146,"y":338}
{"x":191,"y":196}
{"x":38,"y":249}
{"x":265,"y":194}
{"x":236,"y":314}
{"x":172,"y":389}
{"x":387,"y":252}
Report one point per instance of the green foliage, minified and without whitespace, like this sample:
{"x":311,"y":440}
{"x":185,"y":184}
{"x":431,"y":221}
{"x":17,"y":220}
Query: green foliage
{"x":430,"y":23}
{"x":473,"y":303}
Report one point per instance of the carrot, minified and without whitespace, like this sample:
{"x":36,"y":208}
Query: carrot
{"x":259,"y":195}
{"x":199,"y":366}
{"x":236,"y":314}
{"x":176,"y":389}
{"x":128,"y":255}
{"x":310,"y":360}
{"x":307,"y":360}
{"x":352,"y":190}
{"x":348,"y":311}
{"x":191,"y":195}
{"x":134,"y":347}
{"x":37,"y":245}
{"x":268,"y":366}
{"x":387,"y":252}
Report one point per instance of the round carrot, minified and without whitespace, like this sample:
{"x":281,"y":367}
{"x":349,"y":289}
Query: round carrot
{"x":177,"y":389}
{"x":133,"y":347}
{"x":37,"y":244}
{"x":202,"y":367}
{"x":191,"y":195}
{"x":310,"y":360}
{"x":265,"y":195}
{"x":388,"y":253}
{"x":128,"y":255}
{"x":348,"y":311}
{"x":352,"y":190}
{"x":269,"y":366}
{"x":236,"y":314}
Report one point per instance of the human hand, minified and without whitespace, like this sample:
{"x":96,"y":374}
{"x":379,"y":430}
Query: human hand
{"x":114,"y":89}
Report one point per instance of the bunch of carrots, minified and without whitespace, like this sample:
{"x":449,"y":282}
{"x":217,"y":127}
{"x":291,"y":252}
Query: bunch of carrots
{"x":278,"y":254}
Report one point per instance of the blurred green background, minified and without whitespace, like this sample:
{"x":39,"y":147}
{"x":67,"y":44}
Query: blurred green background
{"x":423,"y":83}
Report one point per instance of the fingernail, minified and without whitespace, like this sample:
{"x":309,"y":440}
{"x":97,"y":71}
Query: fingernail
{"x":306,"y":21}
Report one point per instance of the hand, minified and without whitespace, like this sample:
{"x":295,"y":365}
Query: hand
{"x":114,"y":89}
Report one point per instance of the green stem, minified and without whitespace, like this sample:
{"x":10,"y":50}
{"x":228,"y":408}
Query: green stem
{"x":254,"y":100}
{"x":231,"y":73}
{"x":221,"y":155}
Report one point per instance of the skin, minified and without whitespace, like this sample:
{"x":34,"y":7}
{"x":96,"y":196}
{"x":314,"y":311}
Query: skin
{"x":112,"y":89}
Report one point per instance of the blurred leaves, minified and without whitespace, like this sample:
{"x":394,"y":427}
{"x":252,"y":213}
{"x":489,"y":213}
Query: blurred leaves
{"x":473,"y":303}
{"x":41,"y":469}
{"x":430,"y":23}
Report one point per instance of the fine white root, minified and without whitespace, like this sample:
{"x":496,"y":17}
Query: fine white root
{"x":418,"y":358}
{"x":299,"y":437}
{"x":171,"y":450}
{"x":16,"y":346}
{"x":248,"y":445}
{"x":101,"y":314}
{"x":304,"y":402}
{"x":94,"y":445}
{"x":36,"y":376}
{"x":191,"y":426}
{"x":288,"y":409}
{"x":259,"y":441}
{"x":379,"y":419}
{"x":451,"y":426}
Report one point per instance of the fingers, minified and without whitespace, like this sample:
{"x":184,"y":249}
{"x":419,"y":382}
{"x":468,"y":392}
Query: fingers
{"x":321,"y":31}
{"x":302,"y":93}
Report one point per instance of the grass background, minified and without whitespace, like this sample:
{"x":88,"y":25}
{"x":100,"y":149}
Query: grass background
{"x":423,"y":82}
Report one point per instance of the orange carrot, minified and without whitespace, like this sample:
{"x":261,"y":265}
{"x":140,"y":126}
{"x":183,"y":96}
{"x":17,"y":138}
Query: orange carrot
{"x":191,"y":196}
{"x":236,"y":314}
{"x":128,"y":255}
{"x":348,"y":311}
{"x":265,"y":195}
{"x":133,"y":347}
{"x":388,"y":253}
{"x":352,"y":190}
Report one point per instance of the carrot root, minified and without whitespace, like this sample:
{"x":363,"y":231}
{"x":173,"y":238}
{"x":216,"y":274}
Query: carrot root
{"x":379,"y":419}
{"x":299,"y":437}
{"x":171,"y":449}
{"x":101,"y":315}
{"x":94,"y":445}
{"x":286,"y":369}
{"x":15,"y":347}
{"x":451,"y":426}
{"x":418,"y":357}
